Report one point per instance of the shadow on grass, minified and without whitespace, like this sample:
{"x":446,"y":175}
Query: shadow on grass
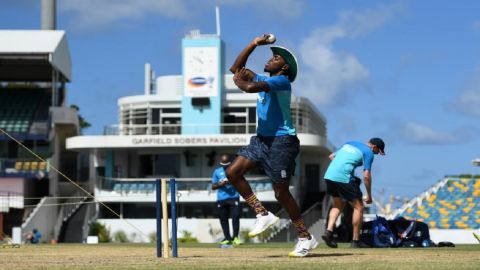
{"x":319,"y":255}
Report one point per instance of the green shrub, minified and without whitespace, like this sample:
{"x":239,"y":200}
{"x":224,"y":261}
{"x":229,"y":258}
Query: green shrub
{"x":100,"y":230}
{"x":152,"y":237}
{"x":120,"y":237}
{"x":187,"y":237}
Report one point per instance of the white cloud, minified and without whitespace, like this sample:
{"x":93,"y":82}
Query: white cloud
{"x":421,"y":134}
{"x":94,"y":14}
{"x":330,"y":73}
{"x":360,"y":24}
{"x":101,"y":14}
{"x":469,"y":101}
{"x":281,"y":8}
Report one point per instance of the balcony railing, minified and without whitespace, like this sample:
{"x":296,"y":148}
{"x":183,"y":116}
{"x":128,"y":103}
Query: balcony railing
{"x":171,"y":129}
{"x":10,"y":200}
{"x":147,"y":185}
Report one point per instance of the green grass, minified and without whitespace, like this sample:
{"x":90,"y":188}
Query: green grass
{"x":248,"y":256}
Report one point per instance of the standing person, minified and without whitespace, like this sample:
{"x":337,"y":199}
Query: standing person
{"x":276,"y":145}
{"x":344,"y":187}
{"x":228,"y":203}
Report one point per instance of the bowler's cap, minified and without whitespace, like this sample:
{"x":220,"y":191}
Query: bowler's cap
{"x":289,"y":58}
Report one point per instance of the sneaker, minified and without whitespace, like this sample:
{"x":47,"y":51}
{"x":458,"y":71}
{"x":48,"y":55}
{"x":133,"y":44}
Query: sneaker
{"x":359,"y":244}
{"x":236,"y":241}
{"x":226,"y":242}
{"x":263,"y":223}
{"x":303,"y":246}
{"x":329,"y":240}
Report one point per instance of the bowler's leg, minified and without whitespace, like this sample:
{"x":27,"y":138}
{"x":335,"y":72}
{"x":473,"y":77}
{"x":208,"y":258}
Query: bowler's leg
{"x":285,"y":198}
{"x":235,"y":173}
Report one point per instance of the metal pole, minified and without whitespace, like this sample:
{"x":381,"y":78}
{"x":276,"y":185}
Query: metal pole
{"x":159,"y":218}
{"x":49,"y":16}
{"x":173,"y":213}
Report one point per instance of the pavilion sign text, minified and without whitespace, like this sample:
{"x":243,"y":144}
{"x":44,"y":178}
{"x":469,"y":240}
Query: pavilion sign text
{"x":190,"y":141}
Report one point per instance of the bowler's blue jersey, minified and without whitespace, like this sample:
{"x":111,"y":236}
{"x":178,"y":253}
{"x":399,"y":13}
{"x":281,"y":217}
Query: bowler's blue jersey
{"x":351,"y":155}
{"x":227,"y":191}
{"x":273,"y":107}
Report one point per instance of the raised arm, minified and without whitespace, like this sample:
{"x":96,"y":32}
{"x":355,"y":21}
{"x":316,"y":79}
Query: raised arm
{"x":243,"y":79}
{"x":242,"y":58}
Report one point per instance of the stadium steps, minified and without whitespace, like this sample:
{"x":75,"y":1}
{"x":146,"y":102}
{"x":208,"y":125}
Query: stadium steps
{"x":72,"y":229}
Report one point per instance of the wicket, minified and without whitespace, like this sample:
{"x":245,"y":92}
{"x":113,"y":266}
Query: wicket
{"x":162,"y":217}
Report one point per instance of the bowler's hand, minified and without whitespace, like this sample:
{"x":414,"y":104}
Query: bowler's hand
{"x":243,"y":74}
{"x":261,"y":40}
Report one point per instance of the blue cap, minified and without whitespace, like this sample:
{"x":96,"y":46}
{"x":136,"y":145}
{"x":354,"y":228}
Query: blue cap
{"x":378,"y":143}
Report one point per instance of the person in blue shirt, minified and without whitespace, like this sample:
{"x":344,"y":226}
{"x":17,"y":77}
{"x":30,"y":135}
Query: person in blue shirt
{"x":275,"y":146}
{"x":228,"y":202}
{"x":343,"y":186}
{"x":34,"y":236}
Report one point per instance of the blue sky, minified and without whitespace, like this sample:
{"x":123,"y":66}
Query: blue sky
{"x":406,"y":71}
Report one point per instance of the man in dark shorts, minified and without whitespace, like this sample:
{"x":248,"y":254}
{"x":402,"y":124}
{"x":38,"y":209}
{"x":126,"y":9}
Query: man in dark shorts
{"x":276,"y":145}
{"x":344,"y":187}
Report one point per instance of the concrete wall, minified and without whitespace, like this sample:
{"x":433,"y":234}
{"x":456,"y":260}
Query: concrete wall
{"x":454,"y":236}
{"x":205,"y":230}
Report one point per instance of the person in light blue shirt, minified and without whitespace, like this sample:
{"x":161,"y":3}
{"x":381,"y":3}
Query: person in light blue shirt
{"x":343,"y":186}
{"x":275,"y":146}
{"x":228,"y":203}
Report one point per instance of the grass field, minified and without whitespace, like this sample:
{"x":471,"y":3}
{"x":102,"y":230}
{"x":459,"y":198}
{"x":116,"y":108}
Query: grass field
{"x":248,"y":256}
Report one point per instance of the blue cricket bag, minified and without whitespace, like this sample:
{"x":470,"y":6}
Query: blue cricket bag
{"x":382,"y":234}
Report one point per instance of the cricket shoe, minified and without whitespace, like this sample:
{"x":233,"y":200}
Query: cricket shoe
{"x":303,"y":246}
{"x":263,"y":223}
{"x":236,"y":241}
{"x":329,"y":240}
{"x":226,"y":242}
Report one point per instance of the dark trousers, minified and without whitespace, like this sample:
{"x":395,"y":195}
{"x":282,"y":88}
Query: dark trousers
{"x":226,"y":209}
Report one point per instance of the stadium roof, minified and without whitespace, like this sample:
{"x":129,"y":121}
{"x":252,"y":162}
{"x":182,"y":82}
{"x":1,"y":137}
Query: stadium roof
{"x":476,"y":162}
{"x":32,"y":55}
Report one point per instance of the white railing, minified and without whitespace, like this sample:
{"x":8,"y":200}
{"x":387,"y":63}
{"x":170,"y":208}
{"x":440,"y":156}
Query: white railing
{"x":147,"y":185}
{"x":171,"y":129}
{"x":10,"y":200}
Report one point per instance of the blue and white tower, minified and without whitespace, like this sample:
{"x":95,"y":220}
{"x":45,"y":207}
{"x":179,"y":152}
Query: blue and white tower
{"x":202,"y":58}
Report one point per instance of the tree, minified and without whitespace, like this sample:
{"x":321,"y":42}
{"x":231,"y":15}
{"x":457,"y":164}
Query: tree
{"x":83,"y":123}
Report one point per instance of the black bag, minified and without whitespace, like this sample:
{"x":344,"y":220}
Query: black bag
{"x":366,"y":233}
{"x":377,"y":233}
{"x":411,"y":233}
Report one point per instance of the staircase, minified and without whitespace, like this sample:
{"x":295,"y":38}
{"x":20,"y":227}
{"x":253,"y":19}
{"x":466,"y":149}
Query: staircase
{"x":72,"y":228}
{"x":286,"y":232}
